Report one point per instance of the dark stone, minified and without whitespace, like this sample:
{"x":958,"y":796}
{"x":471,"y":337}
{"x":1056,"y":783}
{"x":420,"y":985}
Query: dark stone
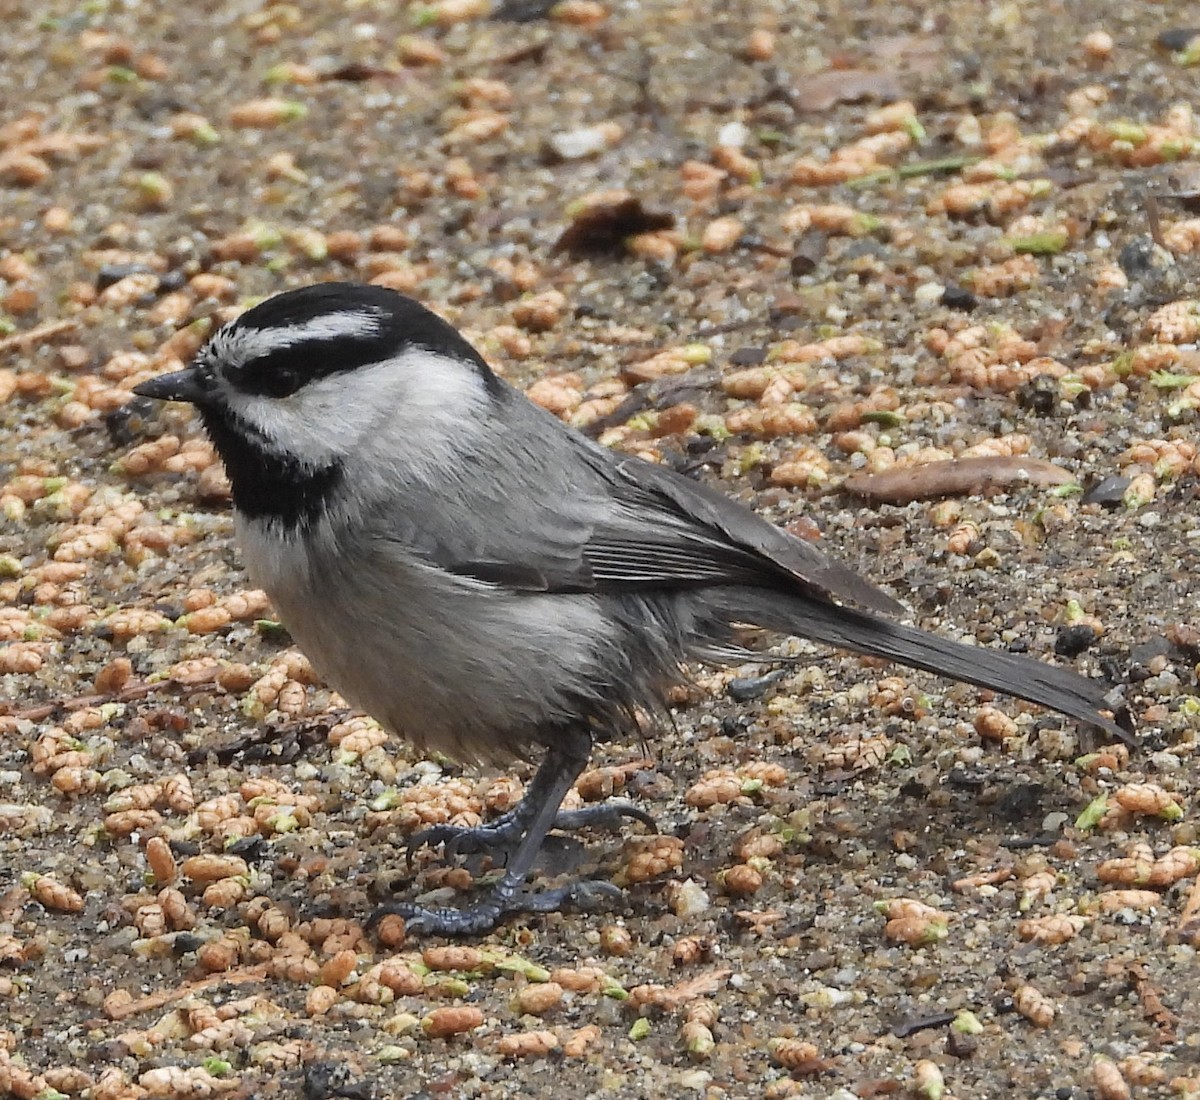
{"x":957,"y":297}
{"x":1074,"y":640}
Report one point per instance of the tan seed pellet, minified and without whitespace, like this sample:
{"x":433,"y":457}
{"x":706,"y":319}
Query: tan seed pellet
{"x":320,"y":999}
{"x":528,"y":1044}
{"x":1108,"y":1080}
{"x":796,"y":1055}
{"x":443,"y":1023}
{"x":540,"y":998}
{"x":586,"y":979}
{"x":576,"y":1044}
{"x":211,"y":868}
{"x":452,"y":957}
{"x":55,"y":895}
{"x":1034,"y":1006}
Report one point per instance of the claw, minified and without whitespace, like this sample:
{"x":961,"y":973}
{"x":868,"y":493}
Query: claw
{"x":586,"y":895}
{"x":605,"y":815}
{"x":434,"y":835}
{"x":503,"y":902}
{"x":505,"y":831}
{"x":466,"y":840}
{"x":521,"y":831}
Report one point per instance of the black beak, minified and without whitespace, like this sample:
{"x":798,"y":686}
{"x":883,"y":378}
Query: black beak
{"x":181,"y":385}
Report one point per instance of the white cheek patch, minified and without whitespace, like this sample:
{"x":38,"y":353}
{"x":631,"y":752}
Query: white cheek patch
{"x":419,"y":400}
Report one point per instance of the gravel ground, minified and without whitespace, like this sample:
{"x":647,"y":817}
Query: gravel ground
{"x":789,"y":246}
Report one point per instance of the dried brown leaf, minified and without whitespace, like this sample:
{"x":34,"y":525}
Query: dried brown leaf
{"x":604,"y":226}
{"x":820,"y":91}
{"x":672,"y":997}
{"x":956,"y":477}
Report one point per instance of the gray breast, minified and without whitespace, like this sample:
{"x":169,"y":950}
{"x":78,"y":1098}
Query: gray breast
{"x":450,"y":663}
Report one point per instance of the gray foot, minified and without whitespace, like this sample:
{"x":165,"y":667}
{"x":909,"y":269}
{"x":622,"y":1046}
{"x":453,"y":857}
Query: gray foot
{"x":522,"y":832}
{"x":508,"y":899}
{"x":499,"y":837}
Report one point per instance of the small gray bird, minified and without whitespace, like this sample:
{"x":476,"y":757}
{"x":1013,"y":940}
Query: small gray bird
{"x":488,"y":583}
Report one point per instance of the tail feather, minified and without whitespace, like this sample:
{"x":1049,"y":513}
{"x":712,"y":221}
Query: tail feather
{"x":862,"y":632}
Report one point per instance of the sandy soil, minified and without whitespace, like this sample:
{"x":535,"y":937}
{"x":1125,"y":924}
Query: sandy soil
{"x":853,"y":238}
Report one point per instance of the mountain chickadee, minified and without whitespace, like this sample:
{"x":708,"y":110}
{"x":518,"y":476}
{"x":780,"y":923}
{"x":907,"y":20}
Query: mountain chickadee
{"x":488,"y":583}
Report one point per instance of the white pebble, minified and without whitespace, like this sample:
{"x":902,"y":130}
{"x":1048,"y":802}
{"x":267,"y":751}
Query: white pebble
{"x":691,"y":899}
{"x":578,"y":144}
{"x":733,"y":135}
{"x":929,"y":294}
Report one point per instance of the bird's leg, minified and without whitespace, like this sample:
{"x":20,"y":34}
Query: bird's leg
{"x":499,"y":837}
{"x":561,"y":767}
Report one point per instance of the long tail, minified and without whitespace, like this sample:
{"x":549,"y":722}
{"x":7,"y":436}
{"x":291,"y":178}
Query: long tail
{"x":861,"y":632}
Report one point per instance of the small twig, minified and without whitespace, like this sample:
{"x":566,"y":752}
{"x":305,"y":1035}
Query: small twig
{"x":523,"y":11}
{"x":652,"y":395}
{"x":292,"y":737}
{"x":534,"y":51}
{"x":1191,"y":907}
{"x":759,"y":921}
{"x":19,"y":340}
{"x":720,"y":330}
{"x":1022,"y":843}
{"x":1189,"y":199}
{"x":911,"y":171}
{"x":1152,"y":1004}
{"x":906,"y":1028}
{"x":128,"y":694}
{"x":1152,"y":216}
{"x":166,"y":996}
{"x":931,"y":167}
{"x":757,"y":244}
{"x":628,"y":408}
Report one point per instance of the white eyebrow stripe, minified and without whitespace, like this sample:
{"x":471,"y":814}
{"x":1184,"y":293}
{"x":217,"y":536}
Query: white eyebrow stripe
{"x":252,"y":343}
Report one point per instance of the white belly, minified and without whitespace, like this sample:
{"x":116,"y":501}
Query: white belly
{"x":447,"y":662}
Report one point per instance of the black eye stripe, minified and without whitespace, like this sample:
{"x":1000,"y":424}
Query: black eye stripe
{"x":402,"y":324}
{"x":282,"y":372}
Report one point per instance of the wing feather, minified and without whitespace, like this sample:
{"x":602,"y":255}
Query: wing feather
{"x":739,"y":546}
{"x":621,"y":524}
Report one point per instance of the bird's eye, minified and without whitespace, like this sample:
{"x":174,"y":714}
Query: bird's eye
{"x":278,"y":382}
